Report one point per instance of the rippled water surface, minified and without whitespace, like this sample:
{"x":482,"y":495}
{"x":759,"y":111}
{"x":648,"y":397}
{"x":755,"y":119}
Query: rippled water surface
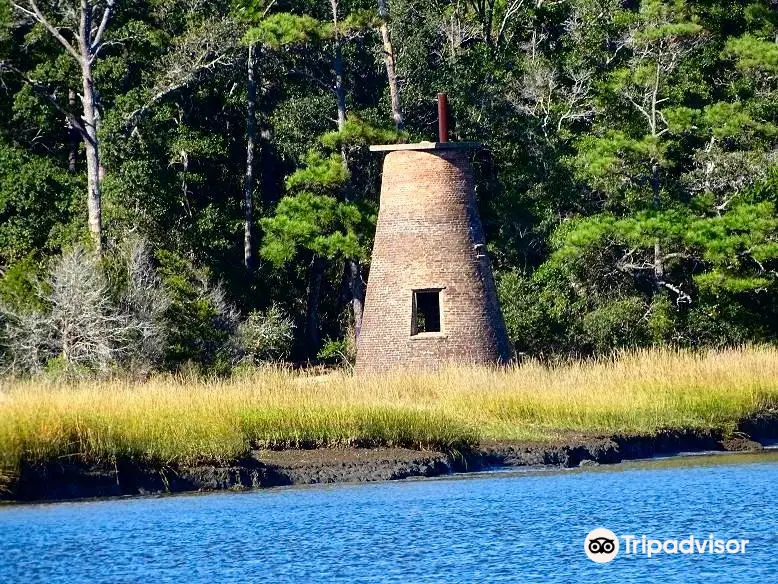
{"x":500,"y":527}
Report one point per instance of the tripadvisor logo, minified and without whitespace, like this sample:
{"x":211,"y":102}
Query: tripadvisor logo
{"x":602,"y":545}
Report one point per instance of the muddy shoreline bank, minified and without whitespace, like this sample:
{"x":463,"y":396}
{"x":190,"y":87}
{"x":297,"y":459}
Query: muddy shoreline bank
{"x":68,"y":480}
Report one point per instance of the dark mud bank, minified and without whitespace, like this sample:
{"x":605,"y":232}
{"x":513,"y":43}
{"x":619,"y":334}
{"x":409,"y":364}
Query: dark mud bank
{"x":62,"y":480}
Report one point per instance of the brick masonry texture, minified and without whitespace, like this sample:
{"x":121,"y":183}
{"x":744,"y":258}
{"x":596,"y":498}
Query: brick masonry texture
{"x":429,"y":235}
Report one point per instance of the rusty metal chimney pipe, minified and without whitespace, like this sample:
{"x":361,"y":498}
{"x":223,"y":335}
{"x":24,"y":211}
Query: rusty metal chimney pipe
{"x":442,"y":118}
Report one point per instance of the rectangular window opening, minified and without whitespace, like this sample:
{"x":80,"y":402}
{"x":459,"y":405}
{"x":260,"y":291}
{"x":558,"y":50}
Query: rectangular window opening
{"x":426,"y":312}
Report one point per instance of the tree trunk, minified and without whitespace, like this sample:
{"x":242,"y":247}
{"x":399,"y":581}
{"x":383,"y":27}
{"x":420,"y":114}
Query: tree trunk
{"x":391,"y":74}
{"x":92,"y":159}
{"x":354,"y":289}
{"x":353,"y":285}
{"x":315,"y":278}
{"x":659,"y":264}
{"x":92,"y":147}
{"x":74,"y":136}
{"x":248,"y":187}
{"x":340,"y":92}
{"x":659,"y":261}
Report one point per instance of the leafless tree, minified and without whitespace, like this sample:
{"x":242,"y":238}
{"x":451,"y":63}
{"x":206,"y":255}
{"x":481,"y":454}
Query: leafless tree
{"x":79,"y":27}
{"x":91,"y":331}
{"x":83,"y":324}
{"x":653,"y":60}
{"x":554,"y":98}
{"x":145,"y":301}
{"x":251,"y":141}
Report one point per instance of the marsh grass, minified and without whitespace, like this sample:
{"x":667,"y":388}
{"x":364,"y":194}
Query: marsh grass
{"x":177,"y":419}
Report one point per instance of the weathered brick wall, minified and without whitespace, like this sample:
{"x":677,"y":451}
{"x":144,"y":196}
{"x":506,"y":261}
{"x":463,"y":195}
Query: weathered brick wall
{"x":429,"y":235}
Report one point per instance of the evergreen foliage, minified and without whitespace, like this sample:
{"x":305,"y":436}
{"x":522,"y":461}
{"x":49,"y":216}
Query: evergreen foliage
{"x":628,"y":184}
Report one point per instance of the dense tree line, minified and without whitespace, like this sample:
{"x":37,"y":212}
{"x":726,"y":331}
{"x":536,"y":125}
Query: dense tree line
{"x":197,"y":171}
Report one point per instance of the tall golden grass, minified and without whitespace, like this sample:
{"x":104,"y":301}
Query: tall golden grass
{"x":173,"y":419}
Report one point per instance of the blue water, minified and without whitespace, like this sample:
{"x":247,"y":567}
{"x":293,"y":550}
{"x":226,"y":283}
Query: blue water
{"x":500,"y":527}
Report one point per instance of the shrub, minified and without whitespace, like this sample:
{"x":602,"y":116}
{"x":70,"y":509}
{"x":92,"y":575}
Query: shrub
{"x":201,"y":322}
{"x":617,"y":324}
{"x":146,"y":302}
{"x":27,"y":341}
{"x":20,"y":282}
{"x":338,"y":352}
{"x":266,"y":336}
{"x":537,"y":316}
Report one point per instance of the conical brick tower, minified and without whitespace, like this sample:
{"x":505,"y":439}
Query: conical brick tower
{"x":431,"y":297}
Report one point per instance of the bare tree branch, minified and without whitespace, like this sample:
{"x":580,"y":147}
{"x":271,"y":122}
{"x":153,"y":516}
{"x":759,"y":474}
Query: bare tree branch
{"x":98,"y":38}
{"x":267,"y":9}
{"x":510,"y":11}
{"x":683,"y":297}
{"x":38,"y":16}
{"x":200,"y":50}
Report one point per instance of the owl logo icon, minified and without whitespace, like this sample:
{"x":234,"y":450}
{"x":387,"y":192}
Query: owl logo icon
{"x":601,"y":545}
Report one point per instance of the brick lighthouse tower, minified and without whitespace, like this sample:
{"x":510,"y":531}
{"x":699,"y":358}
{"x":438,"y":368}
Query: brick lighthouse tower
{"x":431,"y":297}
